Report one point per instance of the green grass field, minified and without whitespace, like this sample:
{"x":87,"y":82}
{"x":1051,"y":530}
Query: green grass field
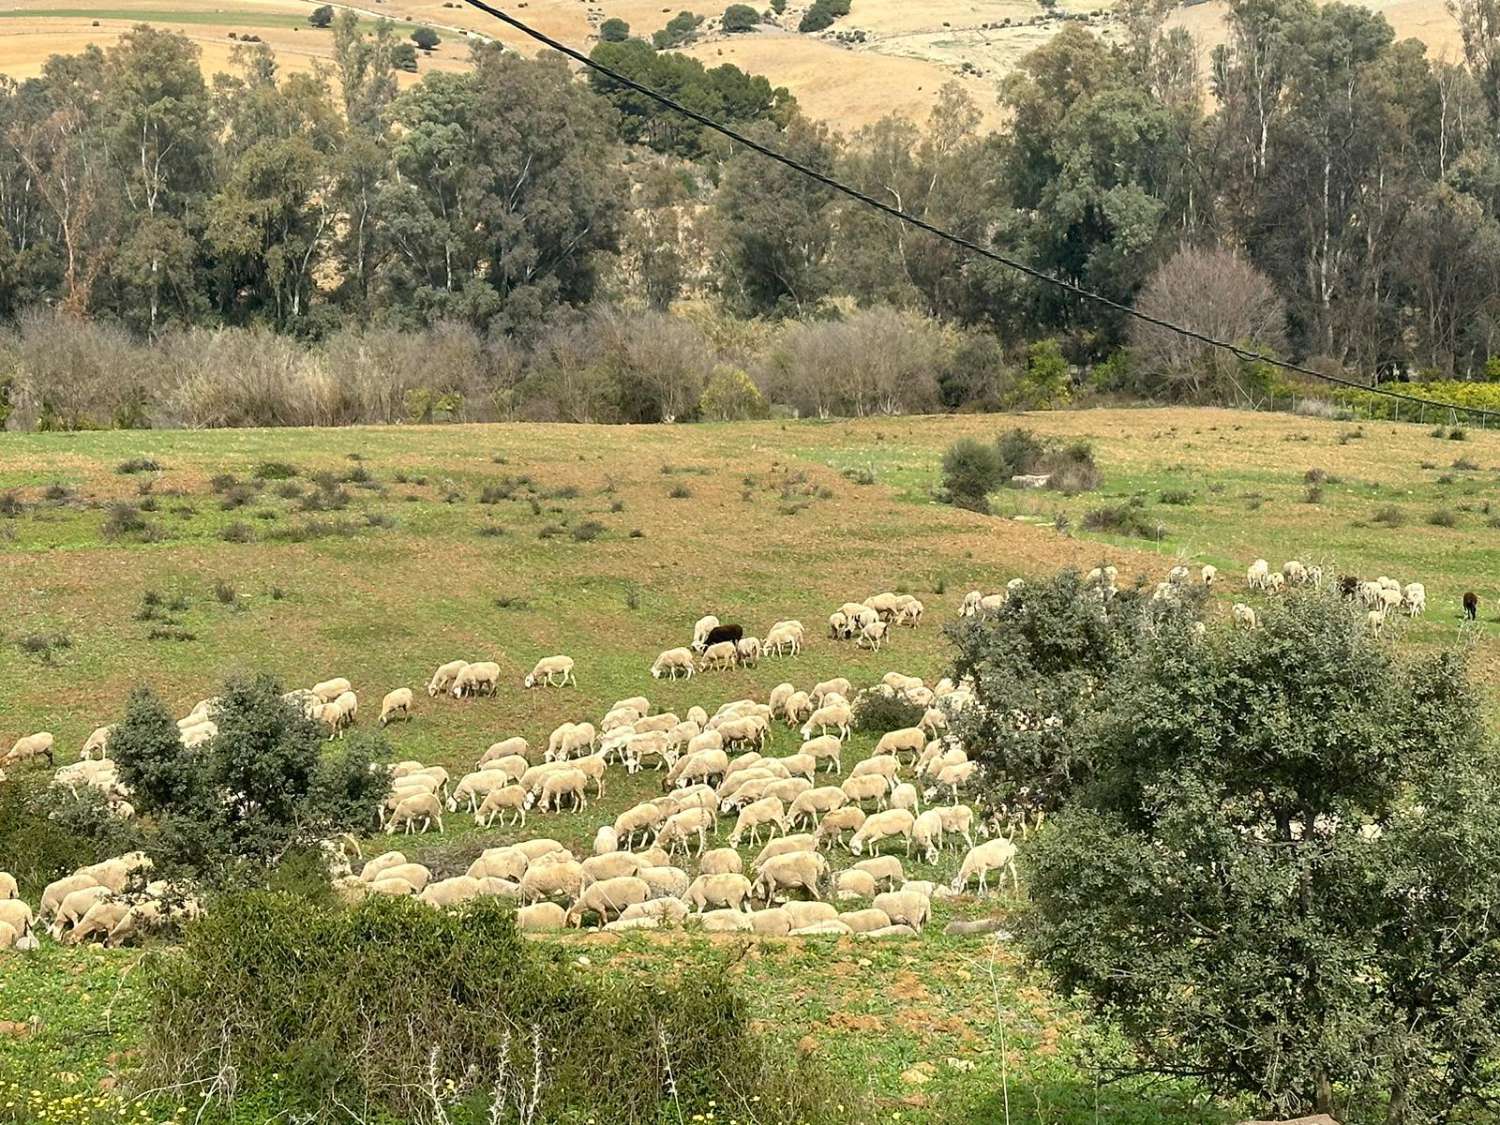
{"x":426,"y":562}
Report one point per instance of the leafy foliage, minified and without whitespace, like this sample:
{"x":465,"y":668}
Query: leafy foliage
{"x":1270,"y":832}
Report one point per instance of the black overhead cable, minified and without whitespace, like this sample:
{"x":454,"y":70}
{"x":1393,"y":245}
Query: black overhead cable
{"x":958,"y":240}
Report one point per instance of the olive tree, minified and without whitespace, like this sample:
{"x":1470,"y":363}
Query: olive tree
{"x":1280,"y":873}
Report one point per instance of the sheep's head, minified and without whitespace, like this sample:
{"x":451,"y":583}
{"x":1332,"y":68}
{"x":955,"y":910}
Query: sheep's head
{"x":530,"y":680}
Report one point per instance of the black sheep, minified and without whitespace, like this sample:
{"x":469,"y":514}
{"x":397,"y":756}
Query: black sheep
{"x":1348,"y":585}
{"x":724,"y":633}
{"x":1471,"y":606}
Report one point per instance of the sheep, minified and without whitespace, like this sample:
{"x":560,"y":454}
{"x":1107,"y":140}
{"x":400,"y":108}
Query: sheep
{"x":866,"y":787}
{"x":905,"y":908}
{"x":681,"y":826}
{"x":880,"y":826}
{"x":328,"y":690}
{"x":698,"y":715}
{"x":785,"y":872}
{"x":116,"y":872}
{"x":838,"y":624}
{"x":516,"y":747}
{"x":798,"y":707}
{"x":8,"y":889}
{"x":450,"y":892}
{"x":729,"y":891}
{"x":910,"y":613}
{"x":1243,"y":615}
{"x":800,"y":842}
{"x":482,"y":678}
{"x":546,"y":879}
{"x":662,"y":911}
{"x":721,"y":861}
{"x":576,"y":739}
{"x":1293,"y":572}
{"x":927,"y":834}
{"x":443,"y":678}
{"x":1375,"y":620}
{"x":839,"y":716}
{"x":903,"y":796}
{"x":572,"y":782}
{"x":872,"y":635}
{"x":499,"y":863}
{"x":907,"y":740}
{"x":641,"y":819}
{"x":512,"y":766}
{"x":951,"y":777}
{"x":864,"y":921}
{"x":71,"y":909}
{"x":802,"y":914}
{"x":381,"y":863}
{"x":97,"y":744}
{"x":747,"y":651}
{"x":785,"y":635}
{"x":854,"y":884}
{"x":1275,"y":583}
{"x":884,"y":869}
{"x":607,"y":897}
{"x":414,"y":875}
{"x":664,"y":880}
{"x":839,"y":685}
{"x":746,"y":730}
{"x":194,"y":736}
{"x":540,"y":917}
{"x":787,"y":789}
{"x":846,"y":818}
{"x":993,"y":855}
{"x":698,"y":766}
{"x":497,"y":801}
{"x":958,"y":820}
{"x":767,"y":811}
{"x":396,"y":704}
{"x":672,"y":661}
{"x":1414,"y":595}
{"x":1209,"y":574}
{"x":37,"y":745}
{"x":534,"y":850}
{"x":473,"y":787}
{"x":725,"y":922}
{"x":610,"y":865}
{"x":722,"y":634}
{"x":549,"y":666}
{"x":423,"y":805}
{"x":16,"y":914}
{"x":826,"y":747}
{"x":720,"y":655}
{"x":1256,"y":576}
{"x":702,"y":629}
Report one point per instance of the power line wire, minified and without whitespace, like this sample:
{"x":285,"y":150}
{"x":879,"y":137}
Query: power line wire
{"x":948,"y":236}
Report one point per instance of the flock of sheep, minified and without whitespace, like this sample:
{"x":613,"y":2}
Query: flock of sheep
{"x":111,"y":901}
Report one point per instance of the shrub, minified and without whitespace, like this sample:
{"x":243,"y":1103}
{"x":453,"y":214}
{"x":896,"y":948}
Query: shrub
{"x":313,"y":529}
{"x":1123,"y":519}
{"x":1070,"y":468}
{"x":275,"y":470}
{"x":239,"y":532}
{"x":494,"y":493}
{"x":491,"y":531}
{"x":321,"y":17}
{"x":614,"y":30}
{"x":681,"y":28}
{"x":821,"y":14}
{"x":730,"y":396}
{"x":739,"y":17}
{"x":1463,"y":464}
{"x":550,"y":531}
{"x":1019,"y":451}
{"x":470,"y":1025}
{"x":138,"y":465}
{"x":44,"y":837}
{"x":880,"y":713}
{"x":1389,"y":516}
{"x":236,"y":497}
{"x":44,"y":646}
{"x":1315,"y":476}
{"x":170,"y":633}
{"x":1179,"y":497}
{"x":509,"y":602}
{"x":1216,"y":756}
{"x":57,"y":493}
{"x":11,"y":505}
{"x":425,"y":38}
{"x":126,"y":522}
{"x":1442,"y":518}
{"x":861,"y":474}
{"x":222,"y":482}
{"x":1314,"y":494}
{"x":679,"y":491}
{"x":588,"y":531}
{"x":971,"y":471}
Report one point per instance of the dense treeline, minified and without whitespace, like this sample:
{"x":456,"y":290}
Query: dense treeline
{"x":1322,"y":192}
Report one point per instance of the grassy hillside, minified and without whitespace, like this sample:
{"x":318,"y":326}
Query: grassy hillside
{"x":475,"y":542}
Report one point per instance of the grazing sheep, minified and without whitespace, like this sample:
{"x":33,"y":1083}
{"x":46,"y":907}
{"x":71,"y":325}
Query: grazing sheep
{"x":729,"y":891}
{"x":802,"y":914}
{"x":450,"y":892}
{"x":500,"y":863}
{"x":801,"y":842}
{"x":747,"y":651}
{"x":74,"y":906}
{"x":905,"y":908}
{"x":697,"y":766}
{"x":702,"y":629}
{"x":721,"y":861}
{"x":725,"y":922}
{"x":1243,"y":615}
{"x":838,"y":624}
{"x":767,"y":811}
{"x":825,"y":747}
{"x":839,"y":716}
{"x":907,"y":740}
{"x":993,"y":855}
{"x":784,"y":635}
{"x":381,"y":863}
{"x":910,"y":613}
{"x":611,"y":865}
{"x":866,"y":787}
{"x":1256,"y":576}
{"x":1415,"y":598}
{"x":846,"y":818}
{"x":473,"y":787}
{"x":571,"y":782}
{"x":865,"y":921}
{"x":97,"y":744}
{"x":1375,"y":620}
{"x":1275,"y":583}
{"x":881,"y":826}
{"x":720,"y":655}
{"x":481,"y":678}
{"x":396,"y":704}
{"x":540,"y":917}
{"x":641,"y":819}
{"x":8,"y":888}
{"x":516,"y":747}
{"x":958,"y":821}
{"x":797,"y":708}
{"x":783,"y":873}
{"x":680,"y":827}
{"x":662,"y":911}
{"x":665,"y":880}
{"x":513,"y":766}
{"x":425,"y":806}
{"x":607,"y":897}
{"x":534,"y":850}
{"x":1471,"y":606}
{"x":1293,"y":572}
{"x":854,"y":884}
{"x":548,"y":667}
{"x":497,"y":801}
{"x":904,"y":796}
{"x":873,"y":635}
{"x":546,"y":879}
{"x":328,"y":690}
{"x":414,"y":875}
{"x":884,"y":869}
{"x":606,"y":840}
{"x":672,"y":661}
{"x":1209,"y":575}
{"x":442,"y":679}
{"x":927,"y":834}
{"x":37,"y":745}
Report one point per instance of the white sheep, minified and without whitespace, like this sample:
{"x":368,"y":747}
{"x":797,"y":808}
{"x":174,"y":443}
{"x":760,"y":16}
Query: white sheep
{"x":37,"y":745}
{"x":721,"y":861}
{"x":808,"y":807}
{"x":881,"y":826}
{"x":672,"y":661}
{"x":548,"y":667}
{"x":1257,"y":574}
{"x":833,"y":825}
{"x":499,"y":799}
{"x":720,"y":655}
{"x":1414,"y":595}
{"x":839,"y":716}
{"x":866,"y":787}
{"x":993,"y":855}
{"x":571,"y":782}
{"x":747,"y":651}
{"x":474,"y":787}
{"x":680,"y":827}
{"x":606,"y":898}
{"x":784,"y":635}
{"x":1209,"y":574}
{"x":442,"y":679}
{"x":1293,"y":572}
{"x":785,"y":872}
{"x":872,"y":635}
{"x":327,"y":691}
{"x":729,"y":891}
{"x":906,"y":740}
{"x":396,"y":704}
{"x":408,"y":810}
{"x":97,"y":744}
{"x":1243,"y":615}
{"x":907,"y":908}
{"x":702,"y":629}
{"x":766,"y":811}
{"x":480,"y":678}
